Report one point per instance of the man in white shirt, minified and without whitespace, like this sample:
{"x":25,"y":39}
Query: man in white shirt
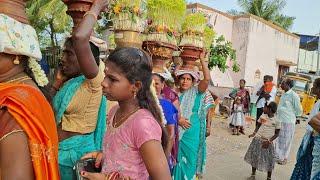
{"x":270,"y":96}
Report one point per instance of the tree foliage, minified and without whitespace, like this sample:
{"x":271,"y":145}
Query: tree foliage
{"x":220,"y":52}
{"x":269,"y":10}
{"x":49,"y":18}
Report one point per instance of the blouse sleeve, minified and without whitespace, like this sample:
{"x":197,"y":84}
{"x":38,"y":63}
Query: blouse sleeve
{"x":146,"y":128}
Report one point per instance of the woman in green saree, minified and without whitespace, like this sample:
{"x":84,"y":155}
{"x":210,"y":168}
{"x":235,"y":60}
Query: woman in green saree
{"x":191,"y":153}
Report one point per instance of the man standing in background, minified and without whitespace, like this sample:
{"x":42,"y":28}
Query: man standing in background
{"x":288,"y":109}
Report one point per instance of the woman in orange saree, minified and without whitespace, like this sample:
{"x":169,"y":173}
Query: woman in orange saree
{"x":28,"y":108}
{"x":28,"y":135}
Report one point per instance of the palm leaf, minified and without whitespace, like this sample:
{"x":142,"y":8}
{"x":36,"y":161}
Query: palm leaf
{"x":269,"y":10}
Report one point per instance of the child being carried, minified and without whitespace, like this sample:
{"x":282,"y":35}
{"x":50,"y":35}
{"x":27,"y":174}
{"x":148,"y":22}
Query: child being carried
{"x":266,"y":89}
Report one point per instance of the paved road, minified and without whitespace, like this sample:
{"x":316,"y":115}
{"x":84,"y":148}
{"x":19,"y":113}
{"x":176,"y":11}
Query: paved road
{"x":226,"y":153}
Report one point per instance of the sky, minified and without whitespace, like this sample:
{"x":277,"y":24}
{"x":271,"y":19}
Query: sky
{"x":307,"y":13}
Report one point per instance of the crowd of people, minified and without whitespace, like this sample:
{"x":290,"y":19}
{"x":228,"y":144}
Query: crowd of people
{"x":275,"y":128}
{"x":153,"y":131}
{"x":157,"y":128}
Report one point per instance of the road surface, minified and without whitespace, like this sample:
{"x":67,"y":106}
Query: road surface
{"x":225,"y":153}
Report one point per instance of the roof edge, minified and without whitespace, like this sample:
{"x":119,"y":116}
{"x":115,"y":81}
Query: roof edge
{"x":269,"y":23}
{"x":199,"y":5}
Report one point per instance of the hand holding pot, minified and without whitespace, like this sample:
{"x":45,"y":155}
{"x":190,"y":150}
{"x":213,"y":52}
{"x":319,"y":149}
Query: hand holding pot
{"x":203,"y":55}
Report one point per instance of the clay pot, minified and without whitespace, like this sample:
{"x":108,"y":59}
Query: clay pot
{"x":159,"y":50}
{"x":191,"y":52}
{"x":158,"y":65}
{"x":188,"y":63}
{"x":127,"y":39}
{"x":189,"y":55}
{"x":160,"y":53}
{"x":77,"y":9}
{"x":15,"y":9}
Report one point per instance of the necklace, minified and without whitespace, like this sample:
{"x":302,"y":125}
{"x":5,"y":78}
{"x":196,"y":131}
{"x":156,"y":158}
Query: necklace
{"x":123,"y":118}
{"x":19,"y":80}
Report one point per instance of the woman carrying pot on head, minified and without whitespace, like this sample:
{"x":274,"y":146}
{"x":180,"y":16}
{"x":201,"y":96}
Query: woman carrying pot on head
{"x":79,"y":105}
{"x":191,"y":156}
{"x":28,"y":135}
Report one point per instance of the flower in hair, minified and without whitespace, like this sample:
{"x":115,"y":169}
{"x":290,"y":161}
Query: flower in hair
{"x":154,"y":95}
{"x":39,"y":75}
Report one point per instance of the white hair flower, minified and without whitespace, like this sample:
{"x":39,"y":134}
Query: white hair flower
{"x":39,"y":75}
{"x":154,"y":94}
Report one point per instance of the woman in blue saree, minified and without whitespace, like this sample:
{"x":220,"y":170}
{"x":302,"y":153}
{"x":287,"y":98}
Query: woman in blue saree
{"x":308,"y":157}
{"x":191,"y":155}
{"x":171,"y":115}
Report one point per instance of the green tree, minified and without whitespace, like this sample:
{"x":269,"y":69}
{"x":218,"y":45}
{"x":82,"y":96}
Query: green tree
{"x":49,"y":19}
{"x":269,"y":10}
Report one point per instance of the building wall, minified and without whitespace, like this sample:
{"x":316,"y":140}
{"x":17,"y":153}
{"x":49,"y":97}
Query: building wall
{"x":258,"y":44}
{"x":261,"y":52}
{"x":287,"y":47}
{"x":266,"y":45}
{"x":308,"y":60}
{"x":240,"y":37}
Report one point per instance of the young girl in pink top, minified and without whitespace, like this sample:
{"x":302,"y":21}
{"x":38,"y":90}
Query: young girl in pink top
{"x":132,"y":144}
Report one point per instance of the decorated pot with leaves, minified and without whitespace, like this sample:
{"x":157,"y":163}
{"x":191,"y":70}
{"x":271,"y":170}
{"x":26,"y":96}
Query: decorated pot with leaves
{"x":160,"y":52}
{"x":15,"y":9}
{"x":190,"y":52}
{"x":188,"y":63}
{"x":77,"y":9}
{"x":127,"y":15}
{"x":128,"y":38}
{"x":189,"y":55}
{"x":159,"y":49}
{"x":158,"y":64}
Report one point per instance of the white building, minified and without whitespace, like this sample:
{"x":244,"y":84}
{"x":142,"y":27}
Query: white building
{"x":261,"y":47}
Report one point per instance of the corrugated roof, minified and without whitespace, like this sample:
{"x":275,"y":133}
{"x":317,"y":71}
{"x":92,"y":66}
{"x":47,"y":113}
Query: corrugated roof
{"x":308,"y":42}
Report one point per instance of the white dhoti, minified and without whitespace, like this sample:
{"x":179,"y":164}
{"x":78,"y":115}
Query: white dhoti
{"x":284,"y":141}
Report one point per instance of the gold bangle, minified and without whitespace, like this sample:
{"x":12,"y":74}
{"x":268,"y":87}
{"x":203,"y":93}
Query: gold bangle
{"x":91,"y":13}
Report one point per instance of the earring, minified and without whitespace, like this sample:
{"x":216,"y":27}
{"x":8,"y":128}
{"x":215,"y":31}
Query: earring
{"x":16,"y":61}
{"x":134,"y":94}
